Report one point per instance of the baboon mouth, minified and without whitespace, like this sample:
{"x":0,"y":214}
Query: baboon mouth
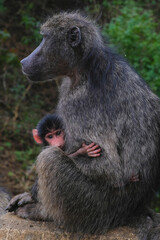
{"x":26,"y":74}
{"x":36,"y":79}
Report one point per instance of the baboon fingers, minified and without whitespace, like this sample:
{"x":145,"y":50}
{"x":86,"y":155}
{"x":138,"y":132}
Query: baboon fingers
{"x":94,"y":154}
{"x":93,"y":150}
{"x":27,"y":199}
{"x":87,"y":146}
{"x":13,"y":204}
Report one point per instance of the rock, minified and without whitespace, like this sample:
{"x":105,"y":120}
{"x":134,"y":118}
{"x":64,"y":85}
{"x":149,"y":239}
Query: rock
{"x":15,"y":228}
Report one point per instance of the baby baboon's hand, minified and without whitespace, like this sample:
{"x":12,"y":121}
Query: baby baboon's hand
{"x":92,"y":150}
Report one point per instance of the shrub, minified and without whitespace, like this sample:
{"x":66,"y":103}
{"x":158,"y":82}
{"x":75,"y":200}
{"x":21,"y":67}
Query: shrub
{"x":134,"y":32}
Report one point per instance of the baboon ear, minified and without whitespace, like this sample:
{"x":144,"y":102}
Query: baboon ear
{"x":74,"y":36}
{"x":36,"y":136}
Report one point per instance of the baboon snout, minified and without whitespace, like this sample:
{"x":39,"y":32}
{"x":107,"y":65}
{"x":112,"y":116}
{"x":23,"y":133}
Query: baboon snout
{"x":22,"y":61}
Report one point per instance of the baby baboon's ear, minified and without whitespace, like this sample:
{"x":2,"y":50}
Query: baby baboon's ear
{"x":74,"y":36}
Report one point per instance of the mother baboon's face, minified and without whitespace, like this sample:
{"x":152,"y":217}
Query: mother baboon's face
{"x":58,"y":52}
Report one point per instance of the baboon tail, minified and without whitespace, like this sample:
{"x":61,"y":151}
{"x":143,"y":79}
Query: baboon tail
{"x":4,"y":200}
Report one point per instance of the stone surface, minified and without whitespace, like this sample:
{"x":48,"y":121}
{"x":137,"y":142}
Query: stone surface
{"x":15,"y":228}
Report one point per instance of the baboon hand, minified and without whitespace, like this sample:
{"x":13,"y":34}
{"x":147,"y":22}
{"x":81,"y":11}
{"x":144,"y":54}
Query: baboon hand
{"x":18,"y":201}
{"x":134,"y":178}
{"x":92,"y":150}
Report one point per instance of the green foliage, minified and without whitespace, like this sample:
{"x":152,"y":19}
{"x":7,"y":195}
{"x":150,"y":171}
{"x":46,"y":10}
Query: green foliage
{"x":28,"y":156}
{"x":4,"y":35}
{"x":134,"y":31}
{"x":2,"y":8}
{"x":7,"y":56}
{"x":11,"y":174}
{"x":1,"y":148}
{"x":14,"y":85}
{"x":108,"y":8}
{"x":31,"y":25}
{"x":8,"y":144}
{"x":113,"y":3}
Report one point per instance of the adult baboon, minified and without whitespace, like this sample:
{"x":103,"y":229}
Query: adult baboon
{"x":103,"y":100}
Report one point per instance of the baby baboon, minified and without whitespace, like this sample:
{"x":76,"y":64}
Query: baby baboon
{"x":102,"y":100}
{"x":49,"y":132}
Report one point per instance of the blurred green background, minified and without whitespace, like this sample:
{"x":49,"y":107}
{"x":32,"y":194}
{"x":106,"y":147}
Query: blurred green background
{"x":132,"y":29}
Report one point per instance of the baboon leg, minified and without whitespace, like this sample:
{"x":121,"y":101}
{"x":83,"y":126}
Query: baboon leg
{"x":55,"y":170}
{"x":147,"y":225}
{"x":154,"y":234}
{"x":49,"y":164}
{"x":29,"y":211}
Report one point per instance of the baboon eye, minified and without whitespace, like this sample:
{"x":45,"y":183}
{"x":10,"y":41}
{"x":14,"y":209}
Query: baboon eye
{"x":50,"y":136}
{"x":58,"y":133}
{"x":74,"y":36}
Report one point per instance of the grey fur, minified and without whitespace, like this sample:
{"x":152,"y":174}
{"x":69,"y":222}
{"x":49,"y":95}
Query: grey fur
{"x":103,"y":100}
{"x":4,"y":200}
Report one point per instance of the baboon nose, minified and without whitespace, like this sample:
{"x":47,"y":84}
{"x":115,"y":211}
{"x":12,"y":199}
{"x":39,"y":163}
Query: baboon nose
{"x":22,"y":61}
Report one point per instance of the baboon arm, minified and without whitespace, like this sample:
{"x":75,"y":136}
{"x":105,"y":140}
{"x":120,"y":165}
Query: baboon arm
{"x":54,"y":158}
{"x":108,"y":165}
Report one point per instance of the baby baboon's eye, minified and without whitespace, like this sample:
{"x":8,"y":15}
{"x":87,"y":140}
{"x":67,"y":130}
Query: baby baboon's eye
{"x":50,"y":136}
{"x":58,"y":133}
